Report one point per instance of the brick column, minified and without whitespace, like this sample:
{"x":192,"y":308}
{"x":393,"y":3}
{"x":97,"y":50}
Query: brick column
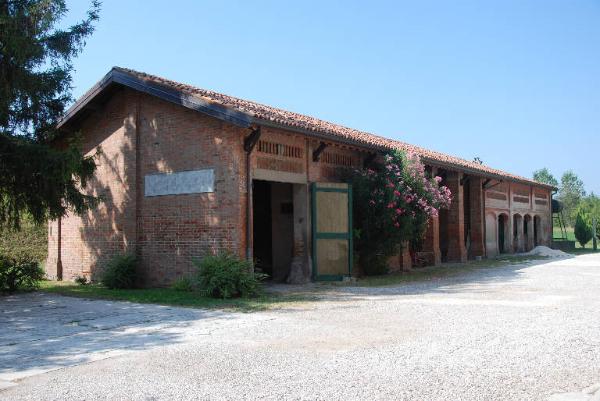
{"x":405,"y":259}
{"x":456,"y":219}
{"x":476,"y":217}
{"x":402,"y":261}
{"x":431,"y":242}
{"x":301,"y":266}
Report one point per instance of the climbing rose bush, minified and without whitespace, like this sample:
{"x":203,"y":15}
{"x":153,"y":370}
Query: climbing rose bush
{"x":393,"y":203}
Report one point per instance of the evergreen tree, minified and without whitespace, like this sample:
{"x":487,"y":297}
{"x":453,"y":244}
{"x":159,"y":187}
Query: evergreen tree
{"x":37,"y":178}
{"x":590,"y":206}
{"x":583,"y":229}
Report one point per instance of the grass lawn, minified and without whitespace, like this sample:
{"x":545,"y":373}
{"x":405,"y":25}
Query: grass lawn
{"x":168,"y":296}
{"x":570,"y":234}
{"x":446,"y":270}
{"x":570,"y":231}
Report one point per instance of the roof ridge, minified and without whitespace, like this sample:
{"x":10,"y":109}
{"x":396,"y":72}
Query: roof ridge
{"x":293,"y":119}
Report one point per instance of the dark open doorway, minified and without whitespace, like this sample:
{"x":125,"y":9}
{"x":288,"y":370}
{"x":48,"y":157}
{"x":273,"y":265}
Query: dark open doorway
{"x":273,"y":228}
{"x":536,"y":230}
{"x":502,"y":228}
{"x":263,"y":247}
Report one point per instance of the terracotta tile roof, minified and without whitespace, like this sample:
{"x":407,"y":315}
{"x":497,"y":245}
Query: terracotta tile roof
{"x":294,"y":120}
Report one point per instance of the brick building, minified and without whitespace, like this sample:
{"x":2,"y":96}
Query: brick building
{"x":185,"y":171}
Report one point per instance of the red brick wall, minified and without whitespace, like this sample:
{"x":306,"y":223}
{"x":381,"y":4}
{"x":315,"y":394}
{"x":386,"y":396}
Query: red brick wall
{"x":167,"y":232}
{"x":279,"y":150}
{"x":90,"y":240}
{"x":173,"y":229}
{"x":476,"y":217}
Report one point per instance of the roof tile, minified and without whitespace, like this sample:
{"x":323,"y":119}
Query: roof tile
{"x":295,"y":120}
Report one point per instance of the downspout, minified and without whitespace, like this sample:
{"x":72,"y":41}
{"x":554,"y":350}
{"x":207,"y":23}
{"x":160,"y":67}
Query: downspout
{"x":59,"y":266}
{"x":138,"y":181}
{"x":248,"y":207}
{"x":483,"y":222}
{"x":249,"y":143}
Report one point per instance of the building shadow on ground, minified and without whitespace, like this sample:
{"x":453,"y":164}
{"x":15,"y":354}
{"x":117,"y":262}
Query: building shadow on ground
{"x":40,"y":332}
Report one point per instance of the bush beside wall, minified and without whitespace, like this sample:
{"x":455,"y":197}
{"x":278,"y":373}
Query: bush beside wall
{"x":30,"y":241}
{"x":21,"y":274}
{"x":226,"y":276}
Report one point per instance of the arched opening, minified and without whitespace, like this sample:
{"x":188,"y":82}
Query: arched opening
{"x":536,"y":230}
{"x":503,"y":234}
{"x":527,"y":235}
{"x":517,"y":229}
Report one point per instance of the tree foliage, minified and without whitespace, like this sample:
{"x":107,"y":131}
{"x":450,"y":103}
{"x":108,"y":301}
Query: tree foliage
{"x":30,"y":241}
{"x":583,"y":229}
{"x":590,"y":206}
{"x":19,"y":274}
{"x":545,"y":177}
{"x":392,"y":204}
{"x":570,"y":194}
{"x":35,"y":83}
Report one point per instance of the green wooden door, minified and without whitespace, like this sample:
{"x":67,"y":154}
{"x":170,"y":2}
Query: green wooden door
{"x":331,"y":231}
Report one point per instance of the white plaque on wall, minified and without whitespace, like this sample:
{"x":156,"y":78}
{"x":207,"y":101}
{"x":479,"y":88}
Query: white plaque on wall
{"x":183,"y":182}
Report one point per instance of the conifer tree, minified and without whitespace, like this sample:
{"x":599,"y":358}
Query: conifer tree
{"x":583,"y":230}
{"x":36,"y":177}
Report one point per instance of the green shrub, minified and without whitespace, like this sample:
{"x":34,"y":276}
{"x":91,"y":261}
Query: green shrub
{"x":120,"y":272}
{"x":226,"y":276}
{"x":393,"y":202}
{"x":19,"y":274}
{"x":81,"y":280}
{"x":30,"y":241}
{"x":185,"y":284}
{"x":583,"y":230}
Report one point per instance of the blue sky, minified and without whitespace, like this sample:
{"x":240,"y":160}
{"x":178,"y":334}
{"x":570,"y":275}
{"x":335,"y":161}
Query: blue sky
{"x":516,"y":83}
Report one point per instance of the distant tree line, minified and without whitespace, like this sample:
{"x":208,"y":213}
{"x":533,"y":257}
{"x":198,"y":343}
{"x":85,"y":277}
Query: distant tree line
{"x":579,"y":208}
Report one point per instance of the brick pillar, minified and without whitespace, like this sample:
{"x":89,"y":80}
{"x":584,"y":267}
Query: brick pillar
{"x":405,"y":259}
{"x":456,"y":219}
{"x":301,"y":267}
{"x":394,"y":264}
{"x":476,"y":217}
{"x":402,"y":261}
{"x":432,"y":240}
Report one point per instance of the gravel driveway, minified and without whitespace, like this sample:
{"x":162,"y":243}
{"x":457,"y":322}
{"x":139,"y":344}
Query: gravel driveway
{"x":514,"y":333}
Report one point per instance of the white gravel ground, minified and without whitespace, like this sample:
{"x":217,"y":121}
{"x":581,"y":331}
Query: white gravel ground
{"x":511,"y":333}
